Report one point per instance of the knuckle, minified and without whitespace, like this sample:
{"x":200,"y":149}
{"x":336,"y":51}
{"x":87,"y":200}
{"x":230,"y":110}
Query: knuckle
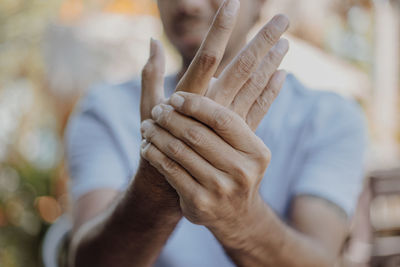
{"x":242,"y":181}
{"x":263,"y":102}
{"x":240,"y":171}
{"x":266,"y":154}
{"x":207,"y":60}
{"x":256,"y":84}
{"x":219,"y":191}
{"x":274,"y":56}
{"x":219,"y":188}
{"x":243,"y":187}
{"x":263,"y":157}
{"x":268,"y":35}
{"x":222,"y":120}
{"x":245,"y":64}
{"x":192,"y":105}
{"x":227,"y":189}
{"x":169,"y":166}
{"x":224,"y":23}
{"x":201,"y":203}
{"x":175,"y":148}
{"x":194,"y":136}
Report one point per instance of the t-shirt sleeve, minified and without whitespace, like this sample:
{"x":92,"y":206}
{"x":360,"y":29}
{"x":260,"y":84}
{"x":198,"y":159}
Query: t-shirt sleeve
{"x":94,"y":161}
{"x":335,"y":150}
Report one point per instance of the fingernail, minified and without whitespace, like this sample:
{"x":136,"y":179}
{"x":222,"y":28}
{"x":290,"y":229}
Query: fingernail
{"x":144,"y":143}
{"x":177,"y":100}
{"x":282,"y":46}
{"x":282,"y":22}
{"x":145,"y":126}
{"x":231,"y":6}
{"x":156,"y":112}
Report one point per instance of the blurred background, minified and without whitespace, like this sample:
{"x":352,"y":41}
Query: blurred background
{"x":52,"y":51}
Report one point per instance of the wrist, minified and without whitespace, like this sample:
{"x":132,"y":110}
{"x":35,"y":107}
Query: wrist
{"x":238,"y":234}
{"x":151,"y":189}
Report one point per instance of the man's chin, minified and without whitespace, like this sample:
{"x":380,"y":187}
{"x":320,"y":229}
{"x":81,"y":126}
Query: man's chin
{"x":188,"y":42}
{"x":189,"y":50}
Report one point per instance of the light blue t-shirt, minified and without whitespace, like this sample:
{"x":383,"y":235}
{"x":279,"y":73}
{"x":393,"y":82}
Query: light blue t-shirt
{"x":317,"y":140}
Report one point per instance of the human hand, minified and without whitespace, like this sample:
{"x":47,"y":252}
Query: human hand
{"x":213,"y":160}
{"x":153,"y":78}
{"x":246,"y":85}
{"x":246,"y":81}
{"x":242,"y":83}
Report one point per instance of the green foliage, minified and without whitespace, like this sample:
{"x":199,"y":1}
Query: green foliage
{"x":23,"y":229}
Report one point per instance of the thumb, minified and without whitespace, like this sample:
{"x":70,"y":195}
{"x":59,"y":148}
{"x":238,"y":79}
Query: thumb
{"x":152,"y":80}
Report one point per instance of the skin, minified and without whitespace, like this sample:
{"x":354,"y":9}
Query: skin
{"x":130,"y":229}
{"x":186,"y":22}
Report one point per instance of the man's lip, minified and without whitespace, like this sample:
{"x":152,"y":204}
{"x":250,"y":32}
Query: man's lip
{"x":189,"y":40}
{"x":183,"y":23}
{"x":190,"y":30}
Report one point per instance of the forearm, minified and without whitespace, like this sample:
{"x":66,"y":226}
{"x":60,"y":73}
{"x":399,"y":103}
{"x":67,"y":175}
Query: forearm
{"x":130,"y":233}
{"x":264,"y":240}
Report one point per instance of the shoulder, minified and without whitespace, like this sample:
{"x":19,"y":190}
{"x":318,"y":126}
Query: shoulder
{"x":106,"y":108}
{"x":115,"y":106}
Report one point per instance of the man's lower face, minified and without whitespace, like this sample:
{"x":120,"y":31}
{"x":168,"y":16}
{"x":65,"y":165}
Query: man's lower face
{"x":189,"y":34}
{"x":187,"y":22}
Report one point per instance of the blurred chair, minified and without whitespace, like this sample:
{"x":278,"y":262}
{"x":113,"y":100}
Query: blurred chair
{"x":385,"y":218}
{"x":374,"y":239}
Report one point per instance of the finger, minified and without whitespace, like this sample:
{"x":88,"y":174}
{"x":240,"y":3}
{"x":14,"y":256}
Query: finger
{"x":179,"y":152}
{"x":264,"y":101}
{"x":152,"y":80}
{"x":227,"y":124}
{"x":254,"y":86}
{"x":176,"y":176}
{"x":198,"y":137}
{"x":207,"y":59}
{"x":246,"y":62}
